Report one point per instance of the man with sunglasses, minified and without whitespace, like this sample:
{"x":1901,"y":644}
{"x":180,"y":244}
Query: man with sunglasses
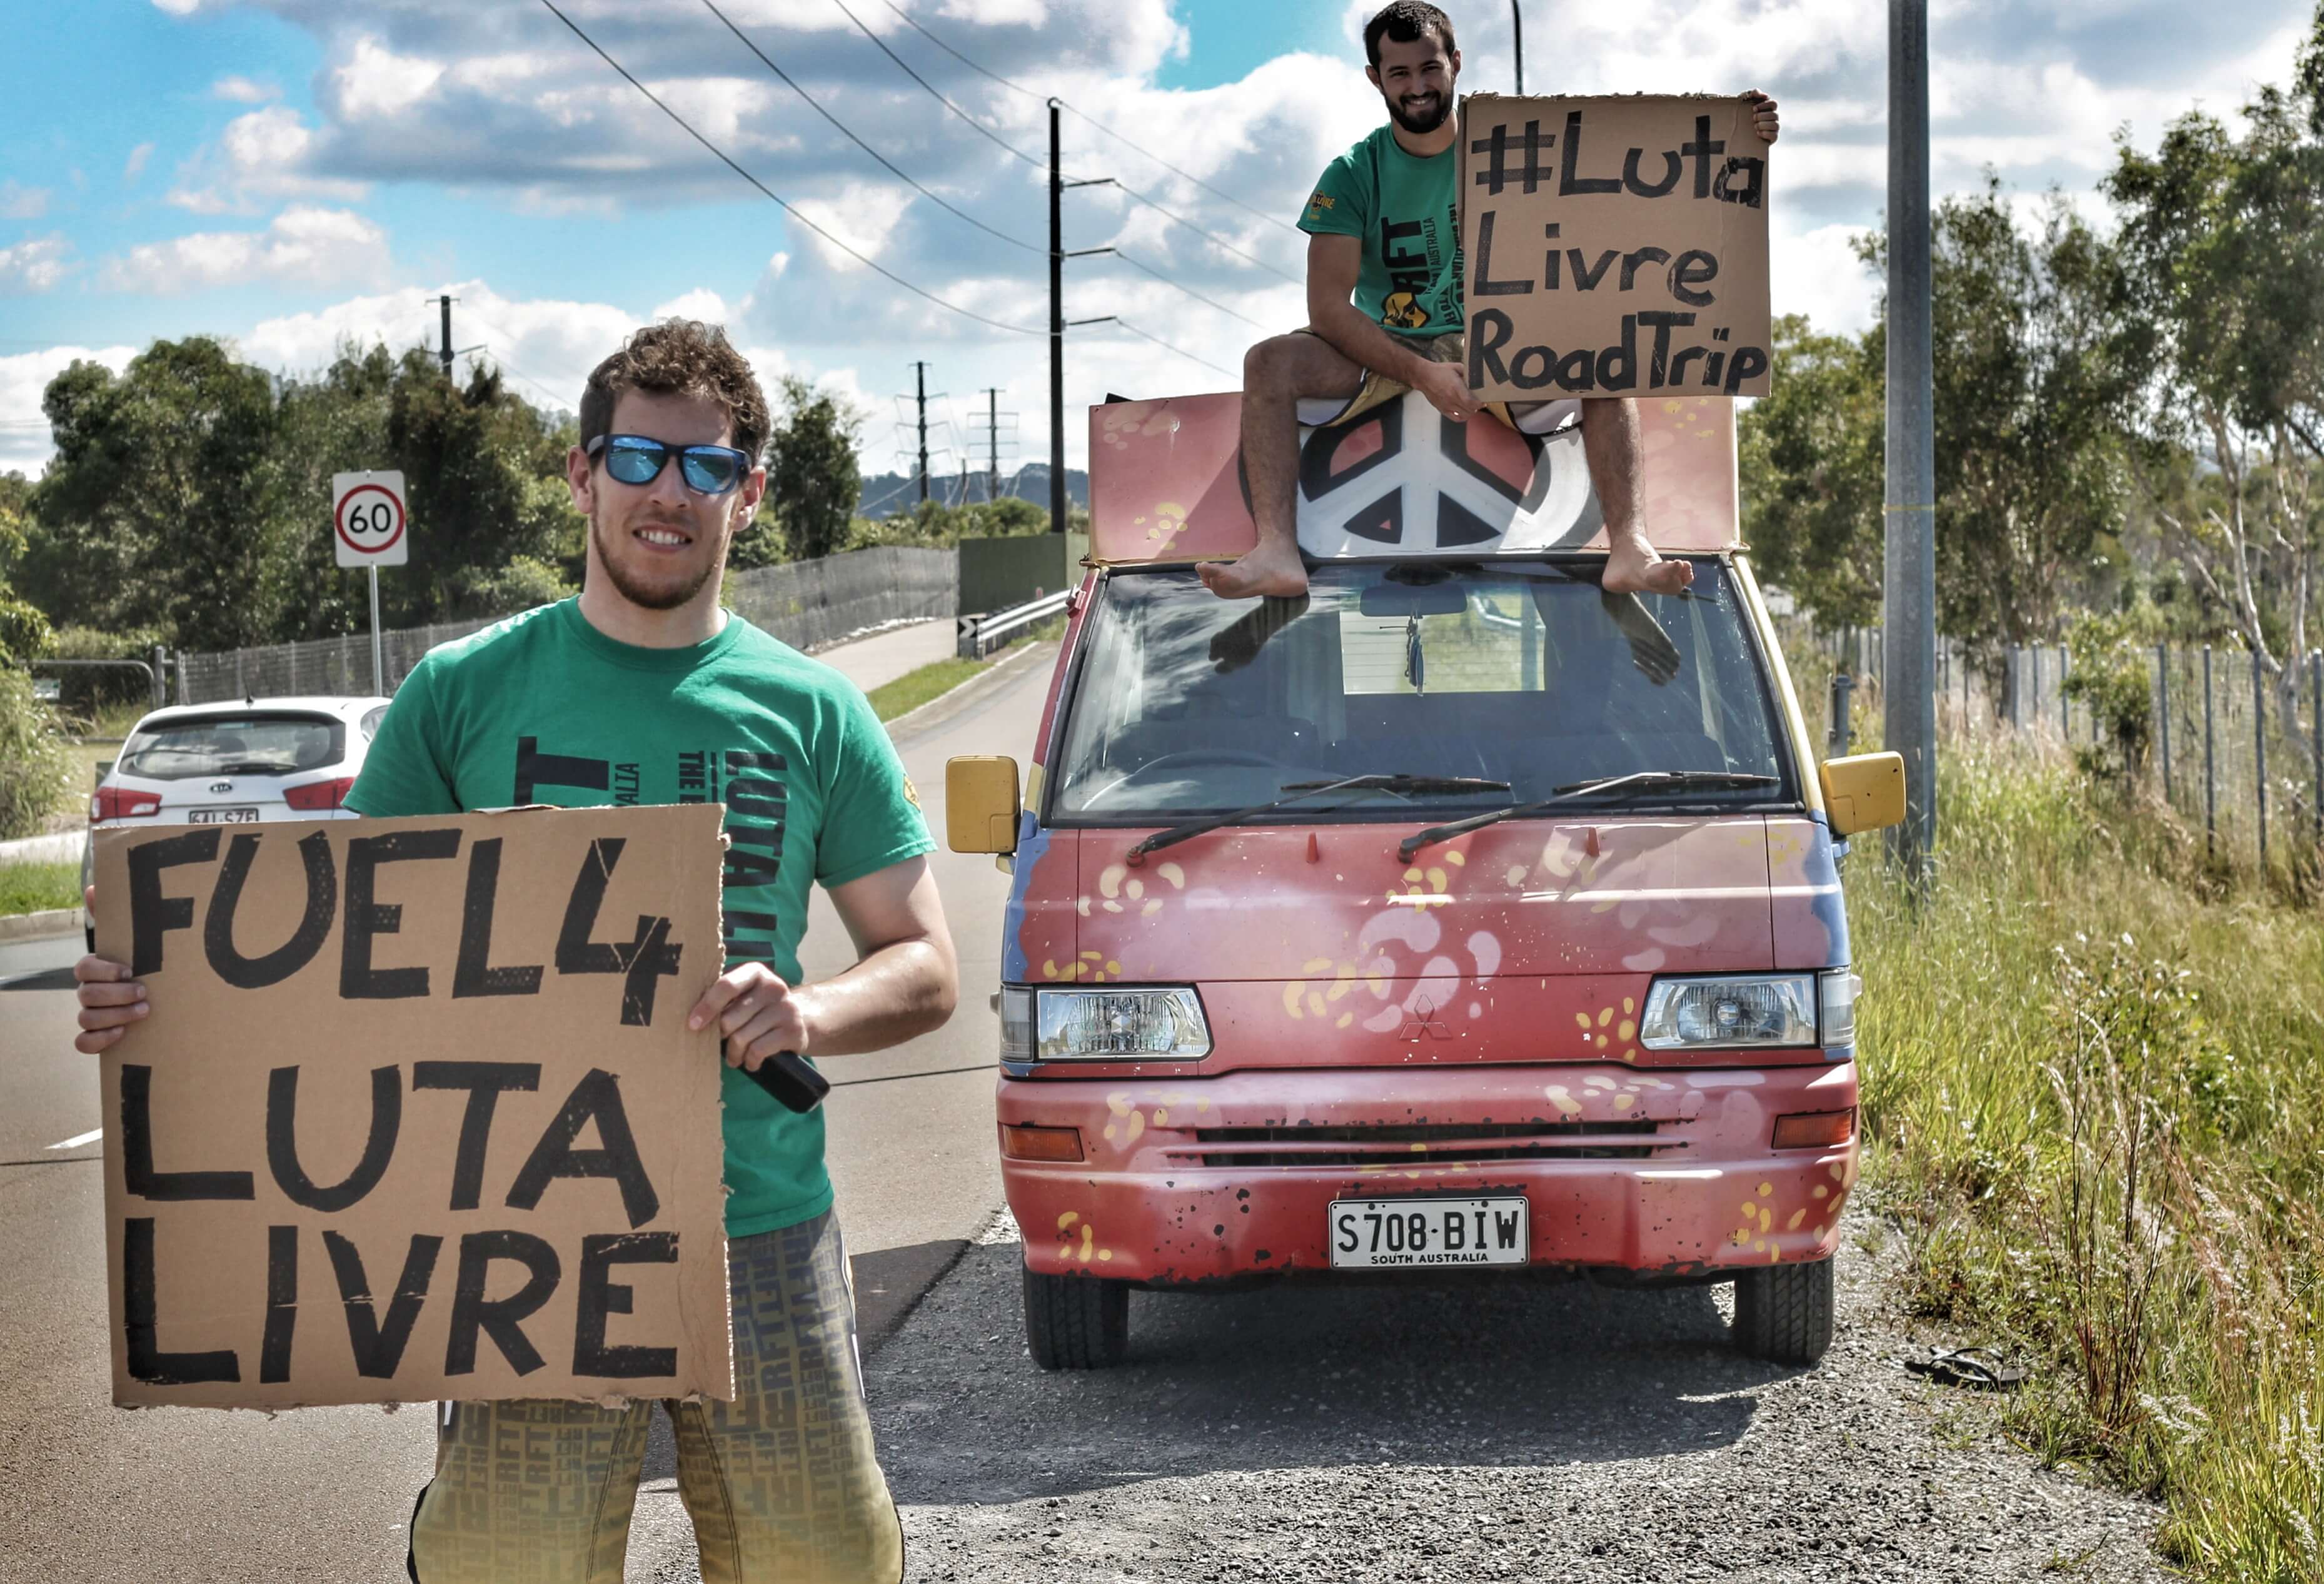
{"x":643,"y":690}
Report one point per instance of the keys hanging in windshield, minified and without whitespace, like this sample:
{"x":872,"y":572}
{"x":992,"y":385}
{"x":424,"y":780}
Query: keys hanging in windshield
{"x":1636,"y":781}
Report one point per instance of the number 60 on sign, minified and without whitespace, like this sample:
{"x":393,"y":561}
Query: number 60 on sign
{"x":368,"y":520}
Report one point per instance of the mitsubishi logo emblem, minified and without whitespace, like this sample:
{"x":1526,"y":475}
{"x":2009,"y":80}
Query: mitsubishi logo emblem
{"x":1423,"y":1023}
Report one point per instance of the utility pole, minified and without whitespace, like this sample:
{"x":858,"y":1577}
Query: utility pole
{"x":444,"y":303}
{"x":920,"y":375}
{"x":1057,"y":256}
{"x":993,"y":444}
{"x":1909,"y":565}
{"x":1517,"y":31}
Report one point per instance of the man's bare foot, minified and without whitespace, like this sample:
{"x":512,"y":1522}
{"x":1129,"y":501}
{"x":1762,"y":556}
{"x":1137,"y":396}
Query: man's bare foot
{"x":1272,"y":568}
{"x":1633,"y":567}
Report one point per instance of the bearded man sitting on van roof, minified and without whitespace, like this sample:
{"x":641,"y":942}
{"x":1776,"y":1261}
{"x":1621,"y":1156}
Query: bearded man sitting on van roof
{"x":1384,"y":311}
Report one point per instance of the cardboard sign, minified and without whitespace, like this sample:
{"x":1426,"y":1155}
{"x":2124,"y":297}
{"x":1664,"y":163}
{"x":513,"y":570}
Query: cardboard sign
{"x":1614,"y":247}
{"x":416,"y":1116}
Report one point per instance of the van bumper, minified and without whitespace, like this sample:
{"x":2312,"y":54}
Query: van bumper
{"x":1670,"y":1173}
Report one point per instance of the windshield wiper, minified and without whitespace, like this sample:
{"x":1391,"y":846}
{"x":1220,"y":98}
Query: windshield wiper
{"x":1298,"y":790}
{"x":1641,"y":780}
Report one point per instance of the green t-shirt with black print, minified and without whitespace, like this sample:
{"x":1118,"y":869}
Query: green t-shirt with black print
{"x":544,"y":708}
{"x":1403,"y":209}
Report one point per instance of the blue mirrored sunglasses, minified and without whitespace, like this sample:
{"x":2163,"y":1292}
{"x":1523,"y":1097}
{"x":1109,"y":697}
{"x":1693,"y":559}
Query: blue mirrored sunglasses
{"x":637,"y":459}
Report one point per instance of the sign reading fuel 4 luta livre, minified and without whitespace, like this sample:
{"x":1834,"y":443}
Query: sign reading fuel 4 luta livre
{"x":1614,"y":246}
{"x":416,"y":1116}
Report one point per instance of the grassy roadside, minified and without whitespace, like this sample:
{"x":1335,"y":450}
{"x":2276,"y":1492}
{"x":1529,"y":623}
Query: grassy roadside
{"x":915,"y":688}
{"x":2094,"y":1086}
{"x":31,"y":888}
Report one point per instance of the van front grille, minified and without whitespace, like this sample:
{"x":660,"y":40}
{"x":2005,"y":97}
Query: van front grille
{"x":1434,"y":1143}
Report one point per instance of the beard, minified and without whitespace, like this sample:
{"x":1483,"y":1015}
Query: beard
{"x":646,"y":595}
{"x":1420,"y":126}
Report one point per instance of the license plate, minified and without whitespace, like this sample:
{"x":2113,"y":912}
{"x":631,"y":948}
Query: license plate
{"x":1372,"y":1232}
{"x":222,"y":817}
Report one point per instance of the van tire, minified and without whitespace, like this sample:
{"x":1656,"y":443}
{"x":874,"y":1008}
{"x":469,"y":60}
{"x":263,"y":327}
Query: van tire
{"x":1077,"y":1322}
{"x":1783,"y":1313}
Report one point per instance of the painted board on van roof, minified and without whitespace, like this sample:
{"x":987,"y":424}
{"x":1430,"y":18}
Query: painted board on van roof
{"x":1399,"y":481}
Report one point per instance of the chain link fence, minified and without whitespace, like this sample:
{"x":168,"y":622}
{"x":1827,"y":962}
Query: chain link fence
{"x":2235,"y":748}
{"x":808,"y":605}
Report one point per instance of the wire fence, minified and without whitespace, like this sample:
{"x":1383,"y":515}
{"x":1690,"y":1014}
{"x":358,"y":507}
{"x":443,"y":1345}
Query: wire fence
{"x":2236,"y":748}
{"x":808,"y":605}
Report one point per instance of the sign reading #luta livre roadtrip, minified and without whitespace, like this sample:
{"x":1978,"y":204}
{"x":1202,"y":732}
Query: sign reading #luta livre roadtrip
{"x":416,"y":1116}
{"x":1614,"y":246}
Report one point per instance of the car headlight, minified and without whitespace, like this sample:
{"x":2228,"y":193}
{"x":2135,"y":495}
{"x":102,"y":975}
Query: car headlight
{"x":1730,"y":1010}
{"x":1045,"y":1024}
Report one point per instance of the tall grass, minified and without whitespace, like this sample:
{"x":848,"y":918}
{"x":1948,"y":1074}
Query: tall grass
{"x":2094,"y":1097}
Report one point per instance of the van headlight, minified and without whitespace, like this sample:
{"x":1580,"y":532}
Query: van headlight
{"x":1730,"y":1010}
{"x":1044,"y":1024}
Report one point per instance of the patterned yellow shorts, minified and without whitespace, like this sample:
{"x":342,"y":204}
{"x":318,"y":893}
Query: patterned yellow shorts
{"x":782,"y":1483}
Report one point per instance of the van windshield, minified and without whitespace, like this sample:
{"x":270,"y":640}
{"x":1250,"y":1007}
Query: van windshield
{"x":1517,"y":672}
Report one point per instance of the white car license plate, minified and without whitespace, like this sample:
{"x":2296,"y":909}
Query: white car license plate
{"x":222,"y":817}
{"x":1370,"y":1232}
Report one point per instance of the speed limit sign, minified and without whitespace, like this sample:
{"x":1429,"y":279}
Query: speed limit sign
{"x":368,"y":522}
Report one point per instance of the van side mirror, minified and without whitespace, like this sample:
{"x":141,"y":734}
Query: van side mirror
{"x":1865,"y":792}
{"x":980,"y":804}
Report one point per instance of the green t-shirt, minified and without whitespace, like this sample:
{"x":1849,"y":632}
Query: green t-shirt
{"x":544,"y":708}
{"x":1403,"y":209}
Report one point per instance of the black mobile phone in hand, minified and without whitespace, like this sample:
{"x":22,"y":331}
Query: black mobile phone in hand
{"x":787,"y":1076}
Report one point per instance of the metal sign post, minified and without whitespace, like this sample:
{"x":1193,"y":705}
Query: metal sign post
{"x":368,"y":530}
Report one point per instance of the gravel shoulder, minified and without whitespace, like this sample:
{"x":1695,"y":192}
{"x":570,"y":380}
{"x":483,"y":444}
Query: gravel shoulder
{"x":1513,"y":1431}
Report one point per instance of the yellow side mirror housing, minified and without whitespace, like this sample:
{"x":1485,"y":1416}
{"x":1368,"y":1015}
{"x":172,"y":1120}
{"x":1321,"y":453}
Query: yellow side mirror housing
{"x":1865,"y":792}
{"x":981,"y":805}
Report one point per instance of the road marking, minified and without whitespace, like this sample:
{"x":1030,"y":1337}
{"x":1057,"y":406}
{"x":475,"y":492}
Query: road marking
{"x":77,"y":1140}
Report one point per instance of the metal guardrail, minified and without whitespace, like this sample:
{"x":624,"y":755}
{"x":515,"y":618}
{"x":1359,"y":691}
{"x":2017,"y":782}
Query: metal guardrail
{"x":986,"y":631}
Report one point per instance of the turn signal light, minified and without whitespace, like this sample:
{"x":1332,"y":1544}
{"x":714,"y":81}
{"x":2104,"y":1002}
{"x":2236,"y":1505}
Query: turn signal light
{"x":318,"y":796}
{"x":1024,"y":1141}
{"x":1815,"y":1130}
{"x":121,"y":802}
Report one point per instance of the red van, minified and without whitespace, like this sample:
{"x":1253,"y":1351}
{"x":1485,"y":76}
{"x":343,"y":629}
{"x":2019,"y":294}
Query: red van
{"x":1456,"y":917}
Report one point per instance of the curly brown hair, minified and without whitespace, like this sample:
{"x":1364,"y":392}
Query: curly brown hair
{"x":679,"y":356}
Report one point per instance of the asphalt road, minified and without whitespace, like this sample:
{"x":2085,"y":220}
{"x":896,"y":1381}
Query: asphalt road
{"x":91,"y":1493}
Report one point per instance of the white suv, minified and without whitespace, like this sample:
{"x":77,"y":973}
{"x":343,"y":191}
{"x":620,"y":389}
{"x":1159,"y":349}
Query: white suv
{"x":242,"y":763}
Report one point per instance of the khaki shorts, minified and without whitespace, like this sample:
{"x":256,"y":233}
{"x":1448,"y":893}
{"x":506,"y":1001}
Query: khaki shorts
{"x":782,"y":1483}
{"x":1377,"y":389}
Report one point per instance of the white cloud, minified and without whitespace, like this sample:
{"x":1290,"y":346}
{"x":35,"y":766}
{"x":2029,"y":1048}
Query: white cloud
{"x":862,"y":217}
{"x":136,"y":165}
{"x":24,"y":443}
{"x":34,"y":267}
{"x":701,"y":303}
{"x":269,"y":154}
{"x":376,"y":82}
{"x":302,"y":246}
{"x":21,"y":203}
{"x":244,"y":90}
{"x":178,"y":7}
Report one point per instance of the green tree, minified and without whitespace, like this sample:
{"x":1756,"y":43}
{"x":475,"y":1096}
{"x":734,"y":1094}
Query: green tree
{"x":24,"y":632}
{"x":813,"y":478}
{"x":2224,"y":234}
{"x":1811,"y":454}
{"x":162,"y":503}
{"x":483,"y":476}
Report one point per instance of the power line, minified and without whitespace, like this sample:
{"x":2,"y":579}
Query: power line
{"x":1210,"y":236}
{"x":1094,"y":121}
{"x":1181,"y":351}
{"x":1134,"y":264}
{"x":889,"y":165}
{"x":788,"y":209}
{"x":1032,"y":160}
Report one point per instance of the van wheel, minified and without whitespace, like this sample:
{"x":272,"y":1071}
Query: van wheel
{"x":1783,"y":1313}
{"x":1077,"y":1322}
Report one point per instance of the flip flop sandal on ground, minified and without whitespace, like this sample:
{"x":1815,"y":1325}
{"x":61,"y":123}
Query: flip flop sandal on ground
{"x":1977,"y":1369}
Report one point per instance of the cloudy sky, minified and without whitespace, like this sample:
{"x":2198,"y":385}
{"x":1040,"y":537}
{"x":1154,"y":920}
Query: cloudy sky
{"x":294,"y":174}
